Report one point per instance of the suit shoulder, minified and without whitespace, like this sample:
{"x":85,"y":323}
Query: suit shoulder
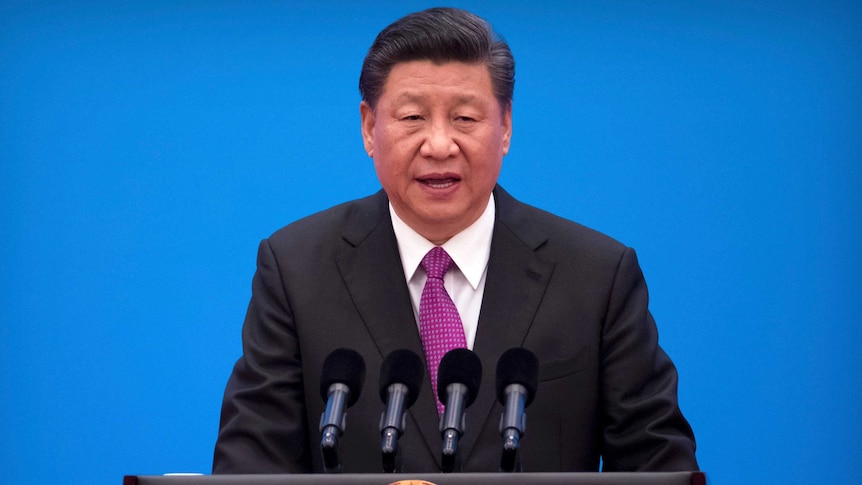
{"x":352,"y":218}
{"x":538,"y":227}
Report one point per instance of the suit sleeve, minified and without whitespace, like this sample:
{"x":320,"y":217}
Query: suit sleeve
{"x":263,"y":418}
{"x":643,"y":428}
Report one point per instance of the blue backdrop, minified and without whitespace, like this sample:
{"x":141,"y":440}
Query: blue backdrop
{"x":146,"y":148}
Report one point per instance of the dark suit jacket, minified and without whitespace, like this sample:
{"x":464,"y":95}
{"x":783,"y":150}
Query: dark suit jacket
{"x":574,"y":297}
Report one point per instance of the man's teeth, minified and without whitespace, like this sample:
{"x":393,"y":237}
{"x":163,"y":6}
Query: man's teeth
{"x":439,"y":184}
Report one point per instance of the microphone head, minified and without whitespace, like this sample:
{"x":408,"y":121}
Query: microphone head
{"x":459,"y":366}
{"x":517,"y":366}
{"x":402,"y":366}
{"x":343,"y":366}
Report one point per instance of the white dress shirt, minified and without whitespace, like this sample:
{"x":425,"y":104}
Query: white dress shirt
{"x":465,"y":281}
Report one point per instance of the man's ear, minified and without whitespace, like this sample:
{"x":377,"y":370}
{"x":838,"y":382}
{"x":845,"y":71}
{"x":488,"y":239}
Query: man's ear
{"x":507,"y":128}
{"x":366,"y":114}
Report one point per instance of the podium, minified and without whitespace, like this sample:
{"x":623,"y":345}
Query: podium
{"x":640,"y":478}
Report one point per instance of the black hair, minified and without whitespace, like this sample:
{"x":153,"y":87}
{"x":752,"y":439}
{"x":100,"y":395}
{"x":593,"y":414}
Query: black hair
{"x":438,"y":35}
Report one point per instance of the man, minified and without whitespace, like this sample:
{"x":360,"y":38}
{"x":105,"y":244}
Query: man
{"x":436,"y":117}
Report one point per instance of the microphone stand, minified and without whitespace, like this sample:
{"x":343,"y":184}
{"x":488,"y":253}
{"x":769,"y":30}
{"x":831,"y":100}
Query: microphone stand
{"x":331,"y":429}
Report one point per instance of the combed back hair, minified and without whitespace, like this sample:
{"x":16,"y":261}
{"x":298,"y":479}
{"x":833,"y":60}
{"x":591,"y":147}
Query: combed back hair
{"x":438,"y":35}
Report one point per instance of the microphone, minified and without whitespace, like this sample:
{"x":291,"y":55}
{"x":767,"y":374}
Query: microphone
{"x":400,"y":380}
{"x":340,"y":384}
{"x":457,"y":385}
{"x":517,"y":376}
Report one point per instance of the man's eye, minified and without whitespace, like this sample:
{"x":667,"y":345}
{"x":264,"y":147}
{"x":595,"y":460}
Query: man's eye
{"x":412,"y":118}
{"x":465,"y":119}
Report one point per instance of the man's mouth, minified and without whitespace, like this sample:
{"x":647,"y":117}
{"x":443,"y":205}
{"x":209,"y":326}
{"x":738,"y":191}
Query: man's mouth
{"x":439,"y":182}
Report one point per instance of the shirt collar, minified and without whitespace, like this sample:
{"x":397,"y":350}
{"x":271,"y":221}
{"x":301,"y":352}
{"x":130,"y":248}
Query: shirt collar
{"x":469,"y":249}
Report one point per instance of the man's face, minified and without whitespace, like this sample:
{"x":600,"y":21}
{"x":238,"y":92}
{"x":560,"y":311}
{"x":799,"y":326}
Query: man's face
{"x":438,"y":136}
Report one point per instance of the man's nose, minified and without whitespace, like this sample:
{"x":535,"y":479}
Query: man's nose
{"x":439,"y":142}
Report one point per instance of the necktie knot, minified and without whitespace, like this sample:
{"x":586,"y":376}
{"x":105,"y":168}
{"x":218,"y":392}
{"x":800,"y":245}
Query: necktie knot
{"x":437,"y":262}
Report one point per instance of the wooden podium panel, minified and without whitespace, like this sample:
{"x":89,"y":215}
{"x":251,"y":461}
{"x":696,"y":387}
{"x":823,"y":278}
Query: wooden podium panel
{"x":659,"y":478}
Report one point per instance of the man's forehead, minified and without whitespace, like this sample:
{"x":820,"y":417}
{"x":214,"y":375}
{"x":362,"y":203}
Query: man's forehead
{"x":462,"y":82}
{"x":412,"y":95}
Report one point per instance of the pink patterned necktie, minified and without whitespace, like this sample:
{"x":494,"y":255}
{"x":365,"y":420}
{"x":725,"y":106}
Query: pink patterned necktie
{"x":439,"y":323}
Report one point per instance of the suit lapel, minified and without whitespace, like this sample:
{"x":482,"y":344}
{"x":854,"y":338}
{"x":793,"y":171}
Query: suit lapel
{"x":516,"y":281}
{"x":372,"y":272}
